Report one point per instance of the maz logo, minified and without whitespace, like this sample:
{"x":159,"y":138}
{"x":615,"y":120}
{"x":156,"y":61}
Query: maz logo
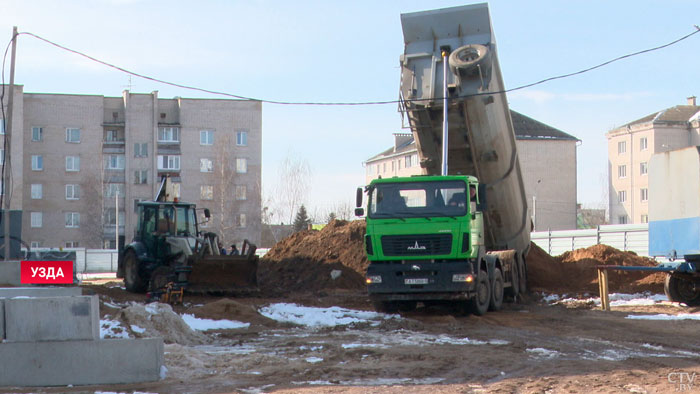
{"x":416,"y":247}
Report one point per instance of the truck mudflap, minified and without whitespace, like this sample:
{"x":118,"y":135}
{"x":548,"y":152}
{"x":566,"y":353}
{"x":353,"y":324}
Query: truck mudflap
{"x":421,"y":280}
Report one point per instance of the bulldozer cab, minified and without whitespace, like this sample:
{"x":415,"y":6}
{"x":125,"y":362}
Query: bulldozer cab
{"x":158,"y":220}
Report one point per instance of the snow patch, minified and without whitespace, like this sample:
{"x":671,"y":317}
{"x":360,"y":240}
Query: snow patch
{"x":540,"y":352}
{"x":112,"y":329}
{"x":616,"y":299}
{"x":137,"y":329}
{"x":209,"y":324}
{"x":313,"y":360}
{"x":321,"y":317}
{"x":664,"y":316}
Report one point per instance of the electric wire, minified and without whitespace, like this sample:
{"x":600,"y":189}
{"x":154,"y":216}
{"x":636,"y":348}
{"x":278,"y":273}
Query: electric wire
{"x":358,"y":103}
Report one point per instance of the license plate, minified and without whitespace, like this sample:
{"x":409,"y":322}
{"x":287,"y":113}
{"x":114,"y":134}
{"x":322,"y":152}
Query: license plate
{"x":421,"y":281}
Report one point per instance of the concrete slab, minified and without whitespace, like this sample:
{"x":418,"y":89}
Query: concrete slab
{"x":52,"y":319}
{"x":2,"y":320}
{"x":11,"y":292}
{"x":61,"y":363}
{"x":10,"y":273}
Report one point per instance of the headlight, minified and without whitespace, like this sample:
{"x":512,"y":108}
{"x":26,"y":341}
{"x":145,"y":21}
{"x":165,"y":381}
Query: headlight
{"x":462,"y":278}
{"x":373,"y":279}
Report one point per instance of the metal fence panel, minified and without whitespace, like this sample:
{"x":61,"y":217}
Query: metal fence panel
{"x":626,"y":237}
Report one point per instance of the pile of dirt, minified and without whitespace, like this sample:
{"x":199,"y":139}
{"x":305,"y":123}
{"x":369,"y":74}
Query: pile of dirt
{"x":332,"y":258}
{"x":576,"y":271}
{"x":159,"y":320}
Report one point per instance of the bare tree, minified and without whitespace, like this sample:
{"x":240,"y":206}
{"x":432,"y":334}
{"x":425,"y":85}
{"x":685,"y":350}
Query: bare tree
{"x":293,"y":186}
{"x":224,"y":193}
{"x":91,"y":218}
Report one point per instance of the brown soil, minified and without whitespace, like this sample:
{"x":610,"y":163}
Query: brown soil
{"x":305,"y":260}
{"x":576,"y":271}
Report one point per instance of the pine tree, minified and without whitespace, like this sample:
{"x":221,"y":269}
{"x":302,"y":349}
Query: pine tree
{"x":301,"y":221}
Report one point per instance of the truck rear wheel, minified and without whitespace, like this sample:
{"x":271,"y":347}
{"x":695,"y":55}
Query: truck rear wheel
{"x":496,"y":291}
{"x":522,"y":272}
{"x":132,"y":279}
{"x":682,"y":289}
{"x":482,"y":299}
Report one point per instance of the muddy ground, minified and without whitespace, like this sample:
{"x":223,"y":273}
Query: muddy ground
{"x":532,"y":346}
{"x":529,"y":347}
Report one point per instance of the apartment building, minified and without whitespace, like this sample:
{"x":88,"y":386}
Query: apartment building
{"x":551,"y":195}
{"x":81,"y":163}
{"x":630,"y":148}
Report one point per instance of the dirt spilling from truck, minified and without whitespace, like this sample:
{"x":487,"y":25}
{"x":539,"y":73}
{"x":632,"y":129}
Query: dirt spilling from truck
{"x":334,"y":258}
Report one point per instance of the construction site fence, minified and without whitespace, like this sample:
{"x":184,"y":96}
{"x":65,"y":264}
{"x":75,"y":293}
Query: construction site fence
{"x":626,"y":237}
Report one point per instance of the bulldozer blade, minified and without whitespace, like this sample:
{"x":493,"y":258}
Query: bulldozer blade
{"x":225,"y":275}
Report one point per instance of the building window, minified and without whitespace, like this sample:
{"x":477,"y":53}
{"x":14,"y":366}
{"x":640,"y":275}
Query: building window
{"x":242,"y":138}
{"x":622,"y":219}
{"x":643,"y":143}
{"x":140,"y":177}
{"x":206,"y":137}
{"x":73,"y":135}
{"x":36,"y":219}
{"x":376,"y":168}
{"x":408,"y":162}
{"x":141,"y":150}
{"x":37,"y":133}
{"x":241,"y":191}
{"x":2,"y":156}
{"x":621,"y":147}
{"x":168,"y":162}
{"x":72,"y":244}
{"x":241,"y":220}
{"x":37,"y":163}
{"x":644,"y":219}
{"x":37,"y":191}
{"x":384,"y":167}
{"x":206,"y":192}
{"x":622,"y":171}
{"x":643,"y":168}
{"x":206,"y":165}
{"x":72,"y":163}
{"x":241,"y":166}
{"x":168,"y":134}
{"x":110,"y":217}
{"x":113,"y":136}
{"x":34,"y":244}
{"x":393,"y":165}
{"x":114,"y":190}
{"x":72,"y":192}
{"x":622,"y":196}
{"x":644,"y":194}
{"x":72,"y":219}
{"x":2,"y":126}
{"x":114,"y":162}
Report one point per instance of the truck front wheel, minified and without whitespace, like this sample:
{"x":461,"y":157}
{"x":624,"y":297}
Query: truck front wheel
{"x":482,"y":299}
{"x":682,"y":289}
{"x":132,"y":280}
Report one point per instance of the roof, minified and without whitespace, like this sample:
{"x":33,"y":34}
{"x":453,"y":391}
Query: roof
{"x":525,"y":128}
{"x":680,"y":114}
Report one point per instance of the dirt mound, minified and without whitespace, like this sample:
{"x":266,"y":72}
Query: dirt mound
{"x":227,"y":309}
{"x":332,"y":258}
{"x":159,"y":320}
{"x":576,"y":271}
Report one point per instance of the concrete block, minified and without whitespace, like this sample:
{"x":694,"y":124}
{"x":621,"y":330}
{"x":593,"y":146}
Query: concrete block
{"x":11,"y":292}
{"x":62,"y":363}
{"x":52,"y":319}
{"x":10,"y":273}
{"x":2,"y":319}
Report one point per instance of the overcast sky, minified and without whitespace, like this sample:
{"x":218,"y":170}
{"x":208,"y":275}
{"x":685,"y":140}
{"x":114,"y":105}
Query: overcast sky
{"x":348,"y":51}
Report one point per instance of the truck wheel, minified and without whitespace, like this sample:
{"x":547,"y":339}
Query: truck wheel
{"x":132,"y":280}
{"x":482,"y":299}
{"x":385,"y":306}
{"x":467,"y":58}
{"x":514,"y":288}
{"x":681,"y":289}
{"x":160,"y":278}
{"x":496,"y":291}
{"x":522,"y":273}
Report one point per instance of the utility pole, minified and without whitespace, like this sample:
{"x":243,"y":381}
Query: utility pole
{"x":6,"y":187}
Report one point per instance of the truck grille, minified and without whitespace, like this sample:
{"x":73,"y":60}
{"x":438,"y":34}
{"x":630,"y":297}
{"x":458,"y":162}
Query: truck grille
{"x":417,"y":245}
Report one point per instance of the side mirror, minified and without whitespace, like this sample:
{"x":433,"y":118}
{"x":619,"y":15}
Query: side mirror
{"x":359,"y":211}
{"x":358,"y":198}
{"x":482,"y":205}
{"x":207,"y":213}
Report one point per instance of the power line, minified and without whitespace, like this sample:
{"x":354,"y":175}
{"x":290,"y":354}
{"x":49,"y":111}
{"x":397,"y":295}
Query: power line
{"x":382,"y":102}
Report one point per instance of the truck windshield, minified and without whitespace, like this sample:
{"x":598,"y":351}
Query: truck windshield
{"x":418,"y":199}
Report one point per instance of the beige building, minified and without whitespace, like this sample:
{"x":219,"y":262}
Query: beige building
{"x":76,"y":157}
{"x":630,"y":148}
{"x":551,"y":195}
